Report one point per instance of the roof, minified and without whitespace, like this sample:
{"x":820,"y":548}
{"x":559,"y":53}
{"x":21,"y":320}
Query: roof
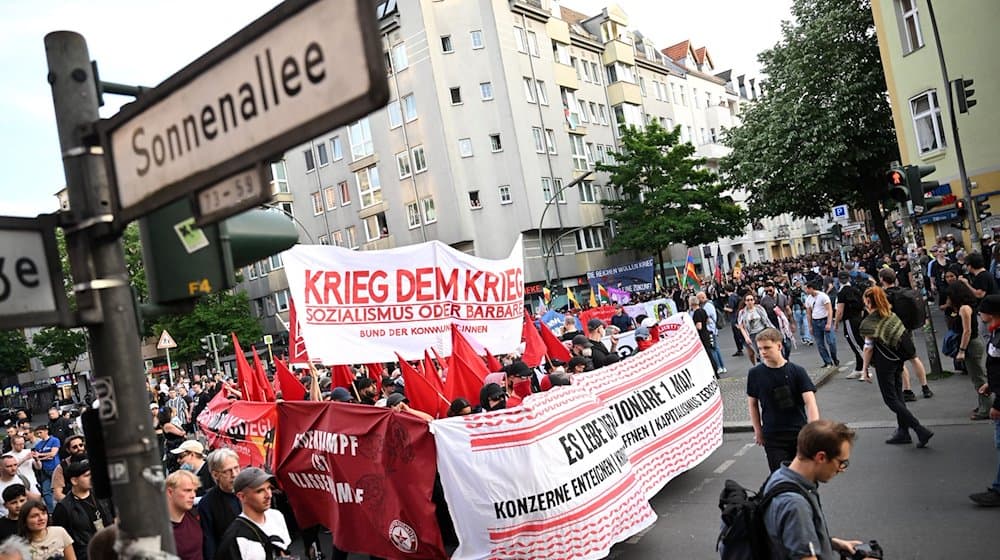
{"x":571,"y":16}
{"x":701,"y":55}
{"x":678,"y":51}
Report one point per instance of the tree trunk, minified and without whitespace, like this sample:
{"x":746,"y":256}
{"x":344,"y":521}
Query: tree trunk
{"x":872,"y":199}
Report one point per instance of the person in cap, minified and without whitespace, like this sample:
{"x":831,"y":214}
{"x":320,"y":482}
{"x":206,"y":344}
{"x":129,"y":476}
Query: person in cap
{"x":258,"y":532}
{"x":601,"y":355}
{"x":989,"y":312}
{"x":460,"y":407}
{"x":220,"y":506}
{"x":81,"y":513}
{"x":341,"y":394}
{"x":492,"y":397}
{"x":399,"y":403}
{"x":182,"y":488}
{"x":581,"y":347}
{"x":191,"y":456}
{"x":14,"y":497}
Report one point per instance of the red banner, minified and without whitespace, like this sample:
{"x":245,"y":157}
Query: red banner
{"x":365,"y":473}
{"x":248,"y":428}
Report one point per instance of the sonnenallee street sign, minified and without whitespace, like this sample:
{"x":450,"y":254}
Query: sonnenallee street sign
{"x":304,"y":68}
{"x":31,"y":285}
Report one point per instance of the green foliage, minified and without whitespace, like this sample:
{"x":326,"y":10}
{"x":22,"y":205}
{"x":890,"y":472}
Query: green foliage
{"x":822,"y":133}
{"x":221,"y":313}
{"x":60,"y":346}
{"x":133,"y":263}
{"x":667,"y":196}
{"x":15,"y":352}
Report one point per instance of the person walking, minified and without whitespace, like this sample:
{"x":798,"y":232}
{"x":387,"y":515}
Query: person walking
{"x":850,"y":310}
{"x":887,"y":345}
{"x":752,"y":321}
{"x":819,"y":309}
{"x":989,"y":312}
{"x":713,"y":329}
{"x":961,"y":302}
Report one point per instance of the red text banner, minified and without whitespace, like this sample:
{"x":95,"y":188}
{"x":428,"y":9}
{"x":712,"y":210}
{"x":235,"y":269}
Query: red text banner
{"x":364,"y":306}
{"x":548,"y":479}
{"x":365,"y":473}
{"x":248,"y":428}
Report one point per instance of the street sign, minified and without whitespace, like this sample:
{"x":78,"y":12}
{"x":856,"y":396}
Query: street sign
{"x":235,"y":194}
{"x":856,"y":226}
{"x":268,"y":339}
{"x":31,"y":282}
{"x":166,"y":341}
{"x":303,"y":69}
{"x":840,"y":213}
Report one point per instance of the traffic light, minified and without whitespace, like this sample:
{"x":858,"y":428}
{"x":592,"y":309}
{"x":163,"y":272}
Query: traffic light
{"x":962,"y":213}
{"x":964,"y":93}
{"x":982,"y":209}
{"x":918,"y":188}
{"x":184,"y":261}
{"x":895,"y":180}
{"x":206,"y":344}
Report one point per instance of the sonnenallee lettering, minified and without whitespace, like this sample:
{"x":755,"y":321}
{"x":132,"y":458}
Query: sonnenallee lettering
{"x":217,"y":117}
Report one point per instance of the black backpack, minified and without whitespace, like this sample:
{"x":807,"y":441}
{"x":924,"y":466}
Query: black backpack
{"x":743,"y":535}
{"x":908,"y":306}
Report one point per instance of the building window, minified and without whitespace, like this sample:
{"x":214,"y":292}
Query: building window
{"x":317,"y":200}
{"x":409,"y":107}
{"x":281,"y":300}
{"x":495,"y":144}
{"x":539,"y":143}
{"x":252,"y":271}
{"x":543,"y":97}
{"x":586,"y":189}
{"x":430,"y":213}
{"x":529,"y":90}
{"x":583,"y":112}
{"x":704,"y":136}
{"x":533,"y":44}
{"x":465,"y":147}
{"x":446,"y":46}
{"x":595,"y":72}
{"x":683,"y":97}
{"x":310,"y":162}
{"x":549,"y":189}
{"x":395,"y":114}
{"x":694,"y":95}
{"x":474,"y":201}
{"x":413,"y":215}
{"x":603,"y":113}
{"x":345,"y":193}
{"x":456,"y":95}
{"x":550,"y":139}
{"x":927,"y":121}
{"x":708,"y":99}
{"x":287,"y":209}
{"x":376,"y":227}
{"x":505,"y":197}
{"x":352,"y":237}
{"x":520,"y":40}
{"x":571,"y":109}
{"x":913,"y":39}
{"x":361,"y":139}
{"x":713,"y":136}
{"x":276,"y":262}
{"x":279,"y":177}
{"x":560,"y":193}
{"x":546,"y":189}
{"x":589,"y":239}
{"x":486,"y":90}
{"x":578,"y":151}
{"x":399,"y":61}
{"x":419,"y":161}
{"x":369,"y":186}
{"x":323,"y":157}
{"x":590,"y":156}
{"x":330,"y":194}
{"x":403,"y":164}
{"x":338,"y":238}
{"x":336,"y":148}
{"x":262,"y":268}
{"x":477,"y":38}
{"x":324,"y":240}
{"x":642,"y":86}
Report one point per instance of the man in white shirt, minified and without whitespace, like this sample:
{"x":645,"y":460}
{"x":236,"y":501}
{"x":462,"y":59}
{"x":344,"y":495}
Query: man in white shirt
{"x":258,"y":526}
{"x":820,"y":311}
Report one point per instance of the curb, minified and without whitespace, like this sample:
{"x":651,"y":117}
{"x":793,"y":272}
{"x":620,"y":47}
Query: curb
{"x":743,"y":427}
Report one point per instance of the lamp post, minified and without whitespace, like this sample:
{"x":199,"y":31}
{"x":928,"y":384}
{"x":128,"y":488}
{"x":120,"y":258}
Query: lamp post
{"x":541,"y":221}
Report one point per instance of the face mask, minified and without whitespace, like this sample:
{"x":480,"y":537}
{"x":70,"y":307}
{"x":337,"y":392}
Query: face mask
{"x":187,"y":467}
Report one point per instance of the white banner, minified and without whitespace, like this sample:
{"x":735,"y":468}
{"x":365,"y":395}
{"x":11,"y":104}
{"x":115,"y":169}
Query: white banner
{"x":364,"y":306}
{"x":569,"y":473}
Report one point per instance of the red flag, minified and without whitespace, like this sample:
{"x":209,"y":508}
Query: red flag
{"x":466,"y":370}
{"x":291,"y":389}
{"x":492,"y":363}
{"x":375,"y":372}
{"x":434,"y":378}
{"x":244,"y":374}
{"x":264,"y":390}
{"x":343,"y":376}
{"x":395,"y":466}
{"x":419,"y":391}
{"x":296,"y":344}
{"x":553,"y":346}
{"x":534,"y":347}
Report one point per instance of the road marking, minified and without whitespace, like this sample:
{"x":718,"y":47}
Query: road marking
{"x":743,"y":450}
{"x":698,"y":488}
{"x":722,"y":468}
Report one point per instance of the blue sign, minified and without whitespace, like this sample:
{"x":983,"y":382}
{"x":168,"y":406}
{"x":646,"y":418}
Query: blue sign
{"x":840,"y":211}
{"x":632,"y":277}
{"x":937,"y":217}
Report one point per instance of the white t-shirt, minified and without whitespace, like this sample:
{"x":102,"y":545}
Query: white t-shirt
{"x":273,"y":526}
{"x":818,"y":304}
{"x":25,"y":468}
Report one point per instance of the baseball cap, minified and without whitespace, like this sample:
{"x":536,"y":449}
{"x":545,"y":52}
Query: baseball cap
{"x":252,"y":477}
{"x":340,"y":394}
{"x":580,"y":340}
{"x":189,"y":446}
{"x":518,"y":369}
{"x":595,"y":323}
{"x":394,"y":399}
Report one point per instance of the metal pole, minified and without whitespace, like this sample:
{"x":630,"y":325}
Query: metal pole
{"x":962,"y":174}
{"x":170,"y":369}
{"x":129,"y":443}
{"x":215,"y":350}
{"x":541,"y":221}
{"x":930,"y":336}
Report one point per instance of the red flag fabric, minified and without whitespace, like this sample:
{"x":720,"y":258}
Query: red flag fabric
{"x":244,"y":374}
{"x":534,"y":347}
{"x":291,"y":389}
{"x":342,"y":376}
{"x":492,"y":363}
{"x":264,"y":389}
{"x":466,"y":370}
{"x":434,"y":378}
{"x":375,"y":372}
{"x":296,"y":344}
{"x":375,"y":496}
{"x":421,"y":394}
{"x":553,"y":346}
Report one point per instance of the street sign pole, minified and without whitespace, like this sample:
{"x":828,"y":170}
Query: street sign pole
{"x":930,"y":335}
{"x":107,"y":306}
{"x":170,"y":369}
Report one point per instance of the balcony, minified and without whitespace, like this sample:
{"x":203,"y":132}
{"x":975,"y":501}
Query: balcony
{"x":566,"y":77}
{"x":384,"y":242}
{"x":618,"y":51}
{"x":624,"y":92}
{"x":712,"y":151}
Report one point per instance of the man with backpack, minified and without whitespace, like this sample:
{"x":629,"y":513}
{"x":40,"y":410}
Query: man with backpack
{"x":909,"y":307}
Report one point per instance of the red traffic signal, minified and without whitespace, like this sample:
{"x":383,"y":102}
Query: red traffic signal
{"x":897,"y":188}
{"x":948,"y":199}
{"x":896,"y":177}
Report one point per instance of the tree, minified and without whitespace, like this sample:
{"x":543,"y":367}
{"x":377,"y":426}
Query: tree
{"x":220,"y":313}
{"x":60,"y":346}
{"x":15,"y":352}
{"x":667,"y":195}
{"x":822,"y":132}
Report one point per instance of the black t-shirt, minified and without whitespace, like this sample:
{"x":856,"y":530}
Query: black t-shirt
{"x":761,"y":384}
{"x":701,"y":316}
{"x":8,"y":528}
{"x":983,"y":281}
{"x":851,"y":298}
{"x":902,"y":275}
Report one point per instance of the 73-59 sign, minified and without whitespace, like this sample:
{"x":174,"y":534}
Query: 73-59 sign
{"x":31,"y":290}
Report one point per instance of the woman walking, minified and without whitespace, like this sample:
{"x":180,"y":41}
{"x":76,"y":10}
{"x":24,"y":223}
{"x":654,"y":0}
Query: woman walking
{"x":888,"y":344}
{"x":752,"y":320}
{"x":971,"y":349}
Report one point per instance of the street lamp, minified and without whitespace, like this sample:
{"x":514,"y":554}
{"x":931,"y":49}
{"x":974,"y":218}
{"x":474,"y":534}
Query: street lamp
{"x":555,"y":198}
